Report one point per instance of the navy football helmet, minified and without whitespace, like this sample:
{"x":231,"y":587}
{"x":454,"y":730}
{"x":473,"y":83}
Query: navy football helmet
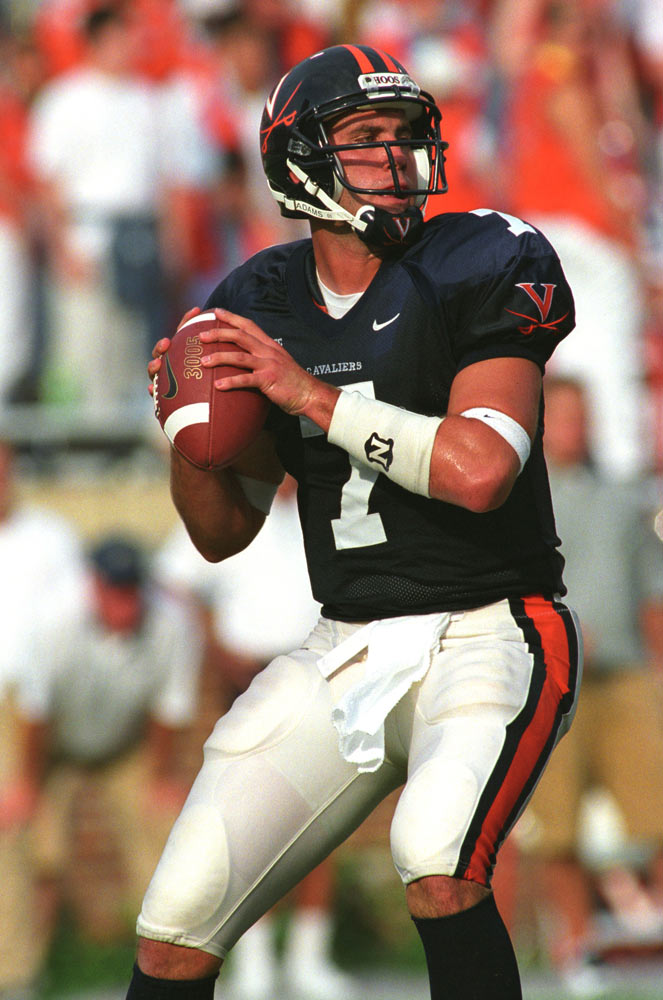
{"x":294,"y":140}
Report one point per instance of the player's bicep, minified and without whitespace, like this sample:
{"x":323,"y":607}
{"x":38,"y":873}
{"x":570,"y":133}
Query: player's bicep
{"x":476,"y":461}
{"x":510,"y":385}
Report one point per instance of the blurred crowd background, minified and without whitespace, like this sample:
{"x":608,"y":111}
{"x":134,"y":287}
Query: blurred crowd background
{"x":130,"y":184}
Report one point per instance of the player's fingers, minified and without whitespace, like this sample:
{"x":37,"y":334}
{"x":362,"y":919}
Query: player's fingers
{"x":225,"y":331}
{"x":238,"y":359}
{"x":242,"y":323}
{"x":160,"y":347}
{"x":219,"y":334}
{"x":189,"y":315}
{"x":250,"y":344}
{"x":248,"y":380}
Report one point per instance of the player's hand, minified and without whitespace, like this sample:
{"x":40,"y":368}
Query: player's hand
{"x":268,"y":366}
{"x":160,"y":349}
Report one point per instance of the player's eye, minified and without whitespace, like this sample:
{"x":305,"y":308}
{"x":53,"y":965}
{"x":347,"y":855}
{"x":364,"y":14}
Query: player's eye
{"x":364,"y":137}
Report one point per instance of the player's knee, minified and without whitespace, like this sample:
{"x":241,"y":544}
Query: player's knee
{"x":169,"y":961}
{"x":431,"y":819}
{"x":442,"y":896}
{"x":269,"y":710}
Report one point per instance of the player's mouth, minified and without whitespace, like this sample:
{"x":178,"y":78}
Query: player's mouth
{"x":393,"y":201}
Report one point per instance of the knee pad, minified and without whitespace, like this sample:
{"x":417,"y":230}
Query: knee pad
{"x":184,"y":900}
{"x":431,"y":819}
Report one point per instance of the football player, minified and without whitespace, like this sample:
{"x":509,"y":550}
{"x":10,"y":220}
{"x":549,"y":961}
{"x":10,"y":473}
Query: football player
{"x":404,"y":363}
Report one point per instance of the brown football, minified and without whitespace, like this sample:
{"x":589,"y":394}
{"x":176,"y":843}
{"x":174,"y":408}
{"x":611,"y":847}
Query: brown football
{"x":209,"y":427}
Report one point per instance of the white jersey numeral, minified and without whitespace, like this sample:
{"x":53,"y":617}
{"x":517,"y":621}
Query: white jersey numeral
{"x":355,"y":527}
{"x":515,"y":225}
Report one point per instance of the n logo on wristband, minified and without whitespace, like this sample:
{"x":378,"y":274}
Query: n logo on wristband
{"x":380,"y":450}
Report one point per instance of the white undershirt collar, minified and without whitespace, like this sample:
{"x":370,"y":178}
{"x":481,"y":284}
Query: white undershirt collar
{"x":337,"y":305}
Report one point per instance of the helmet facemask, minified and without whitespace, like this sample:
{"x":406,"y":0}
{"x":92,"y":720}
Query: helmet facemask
{"x":426,"y":169}
{"x":314,"y":159}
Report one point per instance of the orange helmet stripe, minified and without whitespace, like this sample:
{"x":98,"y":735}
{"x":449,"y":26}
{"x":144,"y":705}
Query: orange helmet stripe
{"x":365,"y":64}
{"x":389,"y":62}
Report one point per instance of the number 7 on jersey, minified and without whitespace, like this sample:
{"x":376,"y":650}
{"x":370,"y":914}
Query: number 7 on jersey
{"x":355,"y":528}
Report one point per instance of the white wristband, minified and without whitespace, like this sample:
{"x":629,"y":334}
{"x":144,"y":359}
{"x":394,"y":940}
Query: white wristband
{"x":506,"y":427}
{"x":385,"y":438}
{"x":259,"y":493}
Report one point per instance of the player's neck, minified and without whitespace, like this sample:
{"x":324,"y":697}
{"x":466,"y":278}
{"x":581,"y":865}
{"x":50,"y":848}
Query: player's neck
{"x":343,"y":262}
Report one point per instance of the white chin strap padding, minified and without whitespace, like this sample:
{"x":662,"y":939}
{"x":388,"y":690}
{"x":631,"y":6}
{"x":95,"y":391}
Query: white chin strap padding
{"x":335,"y":212}
{"x":423,"y":166}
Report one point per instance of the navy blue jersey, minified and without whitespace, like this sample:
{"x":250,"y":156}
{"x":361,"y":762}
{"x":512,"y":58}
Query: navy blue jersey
{"x":478,"y":285}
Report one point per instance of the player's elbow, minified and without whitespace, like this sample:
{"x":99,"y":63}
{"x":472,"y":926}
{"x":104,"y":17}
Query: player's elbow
{"x":484,"y":497}
{"x":215,"y":550}
{"x":217,"y":546}
{"x":473,"y":467}
{"x":483,"y":488}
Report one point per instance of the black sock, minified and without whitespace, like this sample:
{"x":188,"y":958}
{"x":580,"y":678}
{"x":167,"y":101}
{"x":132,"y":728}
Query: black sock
{"x":470,"y":955}
{"x":143,"y":987}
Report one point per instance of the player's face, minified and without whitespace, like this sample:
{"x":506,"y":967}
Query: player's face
{"x":370,"y":168}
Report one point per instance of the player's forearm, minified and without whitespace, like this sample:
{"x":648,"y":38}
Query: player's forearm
{"x":215,"y":511}
{"x":457,"y":459}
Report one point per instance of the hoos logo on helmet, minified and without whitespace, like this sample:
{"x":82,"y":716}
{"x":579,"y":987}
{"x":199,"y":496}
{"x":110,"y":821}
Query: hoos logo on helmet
{"x":371,"y":81}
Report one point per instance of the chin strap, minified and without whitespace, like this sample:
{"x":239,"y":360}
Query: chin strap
{"x":386,"y":230}
{"x":374,"y":226}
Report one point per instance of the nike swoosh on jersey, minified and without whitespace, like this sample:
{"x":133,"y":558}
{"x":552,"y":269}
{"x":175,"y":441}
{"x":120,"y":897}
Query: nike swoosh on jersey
{"x":379,"y":326}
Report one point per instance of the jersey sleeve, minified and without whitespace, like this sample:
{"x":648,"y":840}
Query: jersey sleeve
{"x":512,"y":298}
{"x":258,"y":282}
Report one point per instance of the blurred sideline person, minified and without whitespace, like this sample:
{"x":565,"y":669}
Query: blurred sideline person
{"x":572,"y":129}
{"x":17,"y":322}
{"x":260,"y":605}
{"x":109,"y":683}
{"x":407,"y":405}
{"x":96,"y":149}
{"x":38,"y":550}
{"x":614,"y":574}
{"x":244,"y":64}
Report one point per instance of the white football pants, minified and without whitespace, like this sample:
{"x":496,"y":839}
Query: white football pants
{"x":274,"y":795}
